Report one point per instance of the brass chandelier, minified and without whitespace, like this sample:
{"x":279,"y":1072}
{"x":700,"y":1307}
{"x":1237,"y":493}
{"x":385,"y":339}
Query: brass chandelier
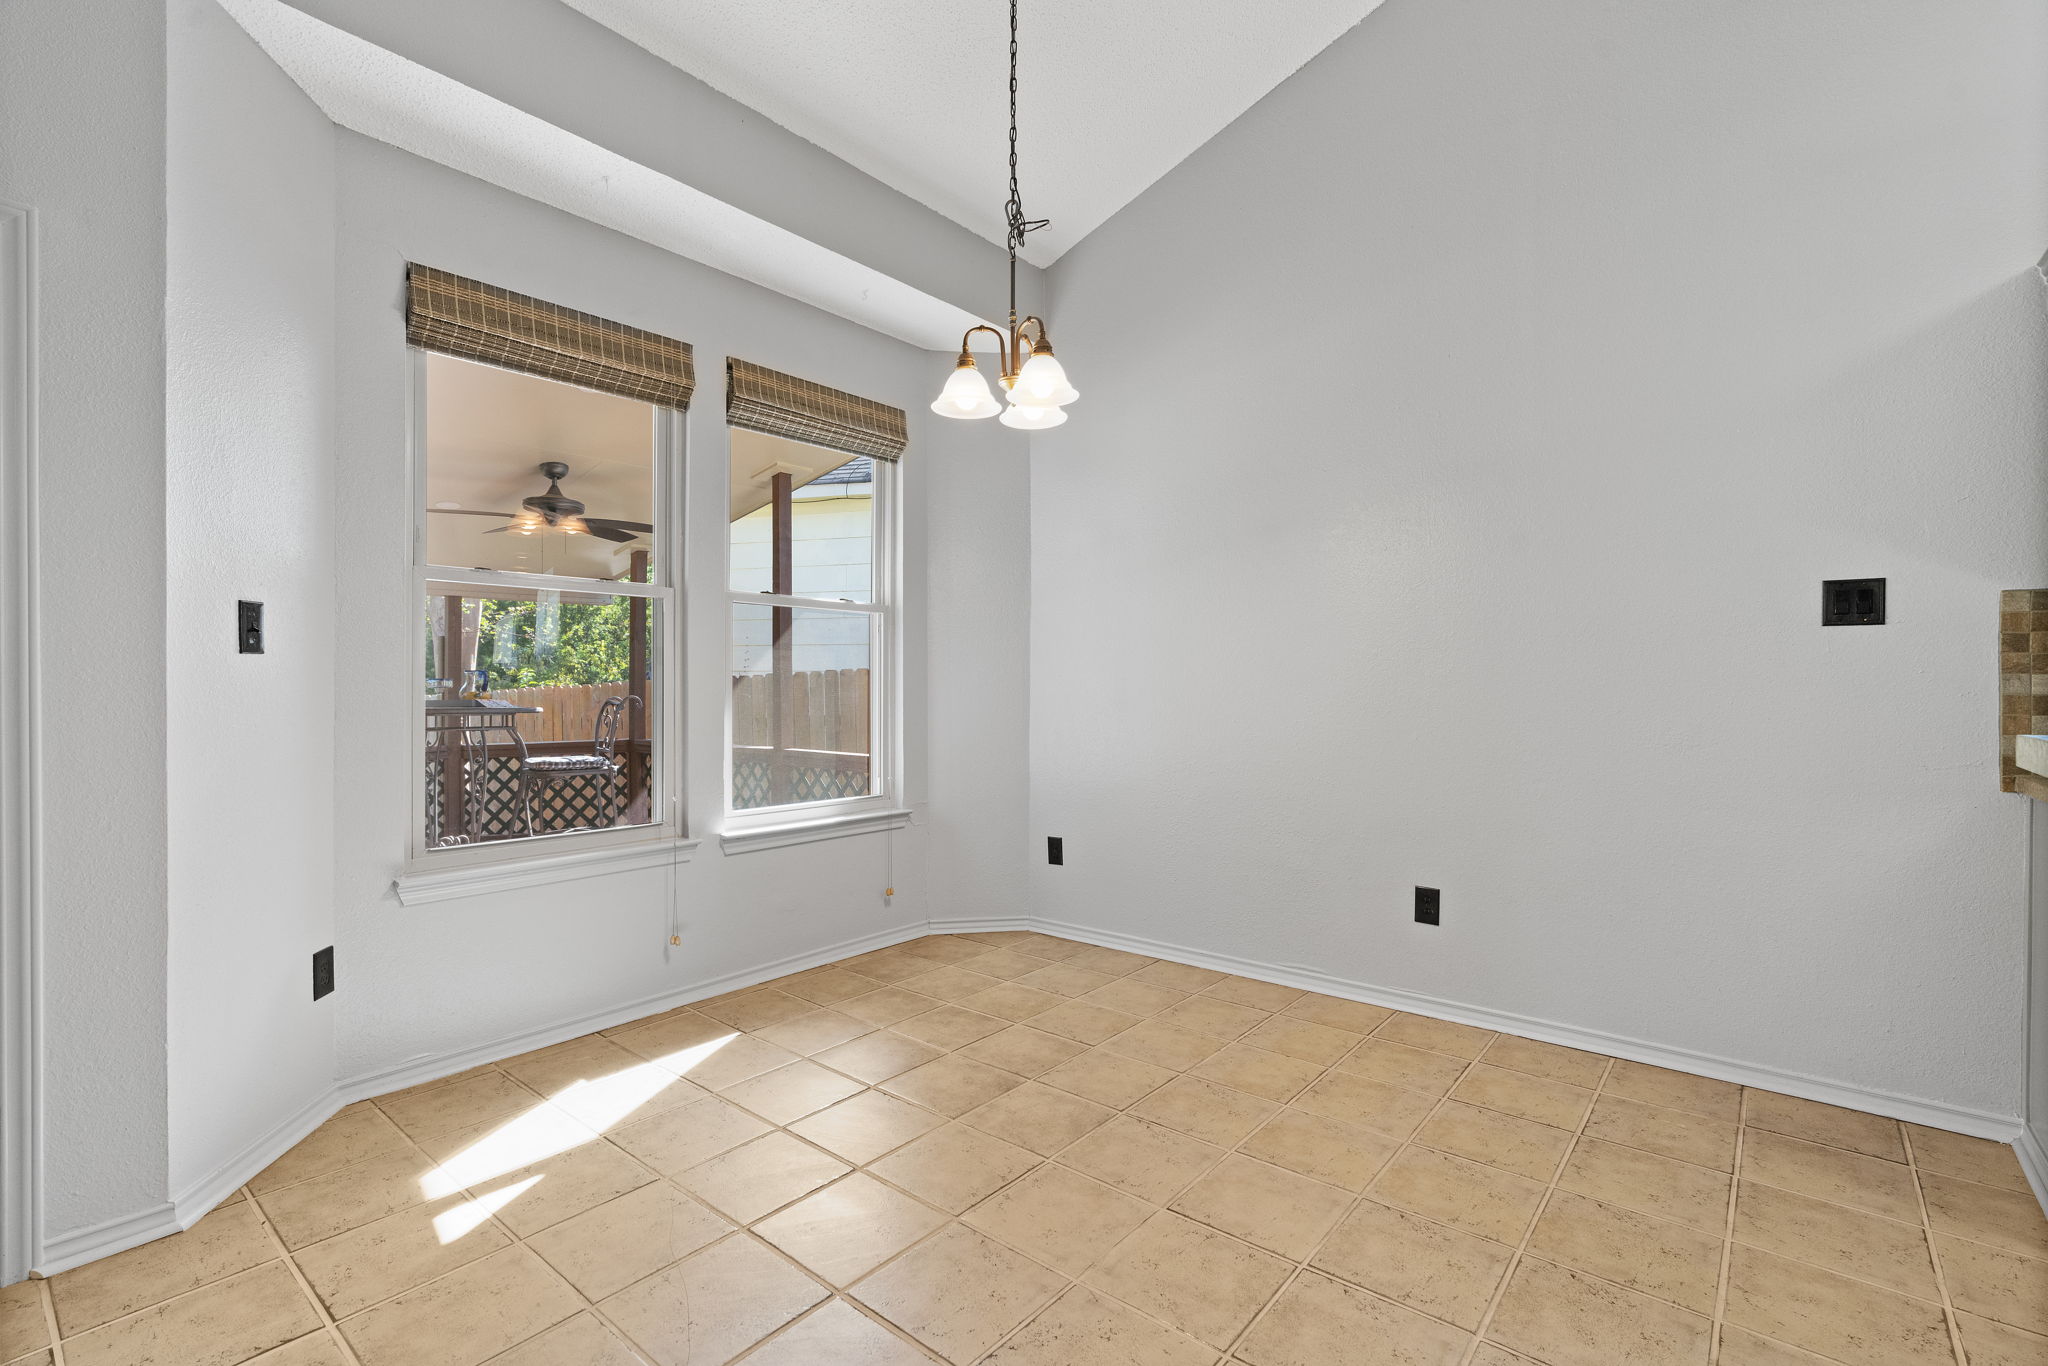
{"x":1035,"y":384}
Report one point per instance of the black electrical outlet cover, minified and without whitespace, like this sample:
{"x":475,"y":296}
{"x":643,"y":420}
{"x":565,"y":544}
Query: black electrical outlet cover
{"x":1428,"y":906}
{"x":1055,"y":849}
{"x":1852,"y":602}
{"x":249,"y":627}
{"x":323,"y":972}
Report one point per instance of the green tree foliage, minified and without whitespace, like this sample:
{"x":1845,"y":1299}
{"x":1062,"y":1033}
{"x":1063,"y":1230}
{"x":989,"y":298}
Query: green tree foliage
{"x":538,"y":644}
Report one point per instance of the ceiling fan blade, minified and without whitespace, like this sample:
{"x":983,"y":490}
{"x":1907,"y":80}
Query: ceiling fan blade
{"x":608,"y":532}
{"x":640,"y":528}
{"x":468,"y":512}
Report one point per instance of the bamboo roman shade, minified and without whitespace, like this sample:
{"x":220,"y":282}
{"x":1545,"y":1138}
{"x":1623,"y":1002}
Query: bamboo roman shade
{"x":764,"y":400}
{"x":476,"y":321}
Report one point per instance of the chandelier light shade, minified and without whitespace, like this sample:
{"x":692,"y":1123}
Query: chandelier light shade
{"x":967,"y":393}
{"x":1033,"y":379}
{"x":1027,"y":418}
{"x":1043,"y":381}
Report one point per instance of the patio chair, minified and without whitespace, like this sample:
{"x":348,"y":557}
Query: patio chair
{"x":544,"y":770}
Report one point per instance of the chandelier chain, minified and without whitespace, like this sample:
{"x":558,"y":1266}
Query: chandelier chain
{"x":1014,"y":210}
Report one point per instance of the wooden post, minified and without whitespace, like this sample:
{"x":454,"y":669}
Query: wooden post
{"x":637,"y":788}
{"x":455,"y":657}
{"x":781,"y":775}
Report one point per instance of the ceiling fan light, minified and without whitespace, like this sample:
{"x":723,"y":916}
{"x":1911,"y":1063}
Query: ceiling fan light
{"x":1029,"y":417}
{"x":966,"y":394}
{"x":1042,"y":383}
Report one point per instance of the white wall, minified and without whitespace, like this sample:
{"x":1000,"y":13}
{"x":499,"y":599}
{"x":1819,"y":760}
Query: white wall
{"x":250,"y":484}
{"x":980,"y":663}
{"x":1466,"y":431}
{"x":82,"y":106}
{"x":426,"y":981}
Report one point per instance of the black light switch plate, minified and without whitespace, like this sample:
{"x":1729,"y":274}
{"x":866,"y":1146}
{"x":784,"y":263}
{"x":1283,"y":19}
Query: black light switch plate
{"x":1852,"y":602}
{"x":1055,"y":849}
{"x":1428,"y":906}
{"x":323,"y":972}
{"x":249,"y":627}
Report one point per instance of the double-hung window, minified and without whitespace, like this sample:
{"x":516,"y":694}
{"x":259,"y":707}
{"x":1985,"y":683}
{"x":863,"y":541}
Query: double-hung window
{"x":545,"y":578}
{"x":811,"y":597}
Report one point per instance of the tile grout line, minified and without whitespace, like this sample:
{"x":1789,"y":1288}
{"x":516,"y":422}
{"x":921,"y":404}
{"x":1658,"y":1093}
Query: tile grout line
{"x":1359,"y":1197}
{"x":1165,"y":1206}
{"x":1720,"y":1318}
{"x":1948,"y":1308}
{"x":1072,"y":1282}
{"x":520,"y":1241}
{"x":1479,"y":1338}
{"x":1326,"y":1070}
{"x":514,"y":1240}
{"x":47,"y":1296}
{"x":327,"y":1320}
{"x":1237,"y":1149}
{"x":1354,"y":1199}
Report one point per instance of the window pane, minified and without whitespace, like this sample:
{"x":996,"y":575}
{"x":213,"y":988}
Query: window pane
{"x":557,"y":750}
{"x":801,"y":705}
{"x":489,"y":503}
{"x":832,"y":519}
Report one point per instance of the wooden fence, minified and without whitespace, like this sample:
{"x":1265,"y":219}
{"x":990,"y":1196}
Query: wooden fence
{"x":568,"y":711}
{"x":828,"y":710}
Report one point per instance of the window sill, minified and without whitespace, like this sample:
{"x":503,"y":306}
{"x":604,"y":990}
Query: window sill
{"x":420,"y":887}
{"x":748,"y":839}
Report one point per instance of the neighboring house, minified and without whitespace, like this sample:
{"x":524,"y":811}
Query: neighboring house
{"x":833,"y":554}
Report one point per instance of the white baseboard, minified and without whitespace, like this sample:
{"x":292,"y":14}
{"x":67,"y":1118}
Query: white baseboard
{"x":90,"y":1244}
{"x":435,"y":1067}
{"x":118,"y":1235}
{"x":198,"y":1199}
{"x":2034,"y":1161}
{"x":985,"y":925}
{"x":1933,"y":1114}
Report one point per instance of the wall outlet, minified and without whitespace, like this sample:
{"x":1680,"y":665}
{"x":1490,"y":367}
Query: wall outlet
{"x":249,"y":627}
{"x":323,"y":972}
{"x":1428,"y":906}
{"x":1055,"y":850}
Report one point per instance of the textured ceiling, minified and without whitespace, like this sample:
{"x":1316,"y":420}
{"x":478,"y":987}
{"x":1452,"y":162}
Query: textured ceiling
{"x":915,"y":93}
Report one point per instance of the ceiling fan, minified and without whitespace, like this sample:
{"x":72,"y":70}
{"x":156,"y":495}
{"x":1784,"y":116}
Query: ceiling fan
{"x":555,"y":511}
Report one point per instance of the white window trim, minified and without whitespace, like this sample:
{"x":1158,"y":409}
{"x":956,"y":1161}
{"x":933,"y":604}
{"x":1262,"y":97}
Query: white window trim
{"x":458,"y":878}
{"x":747,"y":839}
{"x":444,"y":872}
{"x":883,"y":808}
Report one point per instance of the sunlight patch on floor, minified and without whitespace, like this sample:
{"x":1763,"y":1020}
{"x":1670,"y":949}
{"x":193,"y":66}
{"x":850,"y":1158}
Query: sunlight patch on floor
{"x":451,"y":1224}
{"x":573,"y":1116}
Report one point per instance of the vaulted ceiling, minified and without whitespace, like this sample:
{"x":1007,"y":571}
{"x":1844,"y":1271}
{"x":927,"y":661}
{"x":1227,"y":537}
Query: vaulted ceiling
{"x":913,"y":92}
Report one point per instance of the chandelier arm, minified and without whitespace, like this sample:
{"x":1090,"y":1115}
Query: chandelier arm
{"x":1020,"y":332}
{"x":1003,"y":345}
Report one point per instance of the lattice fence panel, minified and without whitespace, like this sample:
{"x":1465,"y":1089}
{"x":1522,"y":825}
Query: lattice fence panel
{"x":749,"y":784}
{"x":435,"y":796}
{"x":578,"y":802}
{"x":826,"y":784}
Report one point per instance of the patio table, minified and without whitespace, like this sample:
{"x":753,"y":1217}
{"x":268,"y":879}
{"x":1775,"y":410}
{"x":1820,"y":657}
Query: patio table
{"x":464,"y":727}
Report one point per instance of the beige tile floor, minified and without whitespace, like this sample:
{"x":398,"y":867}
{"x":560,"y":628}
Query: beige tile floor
{"x":1023,"y":1151}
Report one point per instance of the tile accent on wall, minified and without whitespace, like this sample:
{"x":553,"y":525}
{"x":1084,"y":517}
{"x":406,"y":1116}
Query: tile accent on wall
{"x":2022,"y":683}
